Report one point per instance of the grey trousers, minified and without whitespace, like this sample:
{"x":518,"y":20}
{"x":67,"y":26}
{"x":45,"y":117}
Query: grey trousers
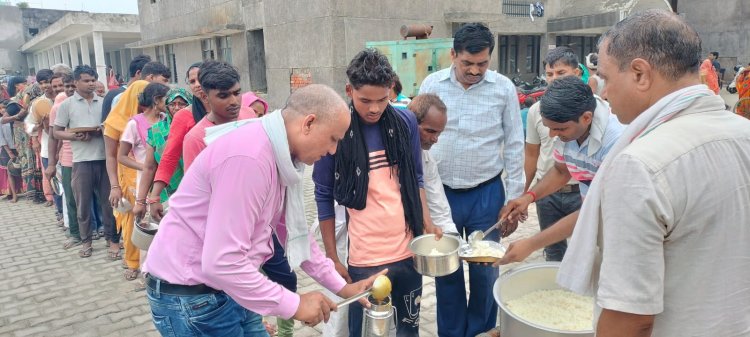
{"x":90,"y":181}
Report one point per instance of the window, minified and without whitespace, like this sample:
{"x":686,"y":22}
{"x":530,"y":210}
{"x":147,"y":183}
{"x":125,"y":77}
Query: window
{"x":532,"y":54}
{"x":160,"y":54}
{"x":513,"y":54}
{"x":224,"y":45}
{"x":581,"y":45}
{"x":171,"y":64}
{"x":33,"y":31}
{"x":207,"y":49}
{"x":516,"y":8}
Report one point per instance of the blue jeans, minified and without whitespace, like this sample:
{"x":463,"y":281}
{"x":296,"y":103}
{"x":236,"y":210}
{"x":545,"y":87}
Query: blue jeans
{"x":405,"y":296}
{"x":552,"y":208}
{"x":202,"y":315}
{"x":277,"y":268}
{"x":475,"y":209}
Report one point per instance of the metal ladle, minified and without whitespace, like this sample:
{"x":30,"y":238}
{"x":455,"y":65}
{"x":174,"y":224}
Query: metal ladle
{"x":381,"y":288}
{"x":477,"y":236}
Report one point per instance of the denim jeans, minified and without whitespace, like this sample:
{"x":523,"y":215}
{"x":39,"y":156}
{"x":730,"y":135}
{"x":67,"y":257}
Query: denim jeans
{"x":475,"y":209}
{"x":551,"y":209}
{"x":202,"y":315}
{"x":405,"y":296}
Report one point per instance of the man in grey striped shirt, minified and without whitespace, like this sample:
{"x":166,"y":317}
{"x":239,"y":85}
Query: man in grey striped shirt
{"x":483,"y":137}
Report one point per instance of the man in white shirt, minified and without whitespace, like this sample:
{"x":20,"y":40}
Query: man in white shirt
{"x":483,"y":137}
{"x":431,"y":115}
{"x":663,"y":239}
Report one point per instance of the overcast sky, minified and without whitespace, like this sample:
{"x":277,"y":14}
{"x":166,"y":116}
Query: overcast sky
{"x":97,"y":6}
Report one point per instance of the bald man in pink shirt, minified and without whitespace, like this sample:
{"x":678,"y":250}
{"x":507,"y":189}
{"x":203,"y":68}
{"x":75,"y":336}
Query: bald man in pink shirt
{"x":203,"y":266}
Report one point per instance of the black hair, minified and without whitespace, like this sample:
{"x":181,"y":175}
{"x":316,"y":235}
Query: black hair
{"x":716,"y":54}
{"x":397,"y":87}
{"x":152,"y":91}
{"x":137,"y":64}
{"x":13,"y":108}
{"x":422,"y":103}
{"x":566,"y":99}
{"x":473,"y":38}
{"x":563,"y":55}
{"x":660,"y":37}
{"x":194,"y":65}
{"x":44,"y":75}
{"x":199,"y":111}
{"x":369,"y":67}
{"x":12,"y":83}
{"x":84,"y":69}
{"x":155,"y":68}
{"x":529,"y":101}
{"x":61,"y":76}
{"x":217,"y":75}
{"x":68,"y":78}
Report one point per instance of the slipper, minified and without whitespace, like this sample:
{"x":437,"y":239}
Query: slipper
{"x":71,"y":243}
{"x":113,"y":255}
{"x":131,"y":274}
{"x":85,"y":252}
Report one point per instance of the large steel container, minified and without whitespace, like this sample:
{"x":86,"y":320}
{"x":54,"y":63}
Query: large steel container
{"x":435,"y":265}
{"x":520,"y":281}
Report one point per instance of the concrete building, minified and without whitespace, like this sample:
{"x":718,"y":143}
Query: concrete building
{"x":723,"y":27}
{"x":278,"y":45}
{"x":96,"y":39}
{"x":18,"y":26}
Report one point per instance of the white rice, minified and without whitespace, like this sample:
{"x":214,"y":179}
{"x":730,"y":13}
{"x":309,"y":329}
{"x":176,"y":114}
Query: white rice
{"x":485,"y":248}
{"x":556,"y":309}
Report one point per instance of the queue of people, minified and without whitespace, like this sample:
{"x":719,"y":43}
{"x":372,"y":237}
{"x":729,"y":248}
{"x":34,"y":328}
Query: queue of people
{"x":626,"y":153}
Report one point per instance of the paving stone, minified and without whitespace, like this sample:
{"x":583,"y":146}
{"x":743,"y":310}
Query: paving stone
{"x":48,"y":291}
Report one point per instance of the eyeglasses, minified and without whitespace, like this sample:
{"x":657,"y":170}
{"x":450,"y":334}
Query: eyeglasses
{"x":177,"y":105}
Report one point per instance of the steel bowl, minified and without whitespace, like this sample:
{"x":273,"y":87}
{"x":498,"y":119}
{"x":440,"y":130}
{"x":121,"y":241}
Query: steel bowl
{"x":520,"y":281}
{"x":435,"y":265}
{"x":143,"y":233}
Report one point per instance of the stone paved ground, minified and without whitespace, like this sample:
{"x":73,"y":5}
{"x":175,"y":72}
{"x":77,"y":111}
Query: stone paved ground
{"x":47,"y":291}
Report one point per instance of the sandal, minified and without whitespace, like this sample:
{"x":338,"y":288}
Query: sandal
{"x":85,"y":252}
{"x":95,"y":235}
{"x":71,"y":243}
{"x":494,"y":332}
{"x":113,"y":255}
{"x":124,"y":265}
{"x":131,"y":274}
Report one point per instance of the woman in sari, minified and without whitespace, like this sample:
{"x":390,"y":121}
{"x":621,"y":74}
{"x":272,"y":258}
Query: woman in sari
{"x":742,"y":83}
{"x":114,"y":127}
{"x":177,"y":99}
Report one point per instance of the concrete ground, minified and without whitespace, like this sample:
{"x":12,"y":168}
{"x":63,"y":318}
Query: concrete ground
{"x":48,"y":291}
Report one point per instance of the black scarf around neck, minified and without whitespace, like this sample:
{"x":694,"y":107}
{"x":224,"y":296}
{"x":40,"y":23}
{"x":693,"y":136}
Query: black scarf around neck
{"x":352,"y":166}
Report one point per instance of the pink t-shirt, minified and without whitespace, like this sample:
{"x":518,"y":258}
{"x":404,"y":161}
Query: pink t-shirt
{"x":66,"y":151}
{"x":219,"y":225}
{"x":194,"y":143}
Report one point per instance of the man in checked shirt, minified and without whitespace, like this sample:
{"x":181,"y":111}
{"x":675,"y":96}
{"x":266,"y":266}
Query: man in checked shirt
{"x":483,"y":137}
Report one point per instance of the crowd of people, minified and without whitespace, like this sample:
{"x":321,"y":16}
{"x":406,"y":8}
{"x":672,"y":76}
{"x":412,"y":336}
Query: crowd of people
{"x":627,"y":153}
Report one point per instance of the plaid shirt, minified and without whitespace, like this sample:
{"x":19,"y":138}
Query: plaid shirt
{"x":484,"y":135}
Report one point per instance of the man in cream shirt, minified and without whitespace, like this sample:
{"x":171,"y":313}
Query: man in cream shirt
{"x":667,"y":212}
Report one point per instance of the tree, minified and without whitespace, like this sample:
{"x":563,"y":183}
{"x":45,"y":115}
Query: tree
{"x":23,"y":4}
